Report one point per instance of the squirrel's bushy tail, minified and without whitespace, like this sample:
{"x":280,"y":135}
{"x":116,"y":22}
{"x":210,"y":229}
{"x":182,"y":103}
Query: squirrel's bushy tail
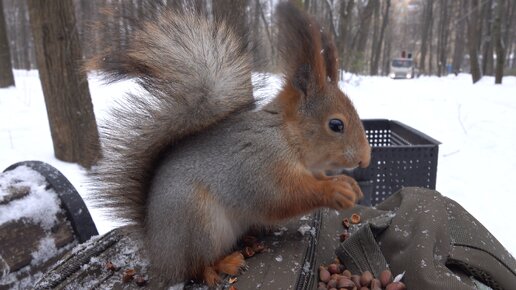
{"x":194,"y":73}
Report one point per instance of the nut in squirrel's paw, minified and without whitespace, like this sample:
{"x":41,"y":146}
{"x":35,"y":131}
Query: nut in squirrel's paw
{"x":342,"y":192}
{"x":354,"y":185}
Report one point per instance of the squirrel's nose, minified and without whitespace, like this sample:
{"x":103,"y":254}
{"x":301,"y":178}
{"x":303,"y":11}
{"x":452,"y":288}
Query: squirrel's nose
{"x":365,"y":157}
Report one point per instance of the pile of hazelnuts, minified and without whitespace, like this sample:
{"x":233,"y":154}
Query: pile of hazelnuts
{"x":336,"y":277}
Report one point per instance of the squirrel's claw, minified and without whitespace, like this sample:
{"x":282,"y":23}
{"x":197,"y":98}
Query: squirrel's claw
{"x":211,"y":277}
{"x":231,"y":264}
{"x":343,"y":192}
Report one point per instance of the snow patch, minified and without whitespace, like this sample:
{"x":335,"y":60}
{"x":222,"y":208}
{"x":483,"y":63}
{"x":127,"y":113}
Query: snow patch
{"x":41,"y":205}
{"x":280,"y":231}
{"x":303,"y":229}
{"x":399,"y":277}
{"x":46,"y":250}
{"x":179,"y":286}
{"x":306,"y":267}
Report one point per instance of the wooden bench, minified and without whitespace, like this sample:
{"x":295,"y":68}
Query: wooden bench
{"x":41,"y":218}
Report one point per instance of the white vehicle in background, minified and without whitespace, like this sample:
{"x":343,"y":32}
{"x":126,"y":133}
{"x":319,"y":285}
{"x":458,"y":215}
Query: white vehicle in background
{"x":402,"y":68}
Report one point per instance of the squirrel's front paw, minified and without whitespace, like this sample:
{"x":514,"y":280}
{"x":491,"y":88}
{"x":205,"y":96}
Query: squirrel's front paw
{"x":342,"y":192}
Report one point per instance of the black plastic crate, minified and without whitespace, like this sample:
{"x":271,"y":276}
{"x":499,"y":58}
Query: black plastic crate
{"x":401,"y":156}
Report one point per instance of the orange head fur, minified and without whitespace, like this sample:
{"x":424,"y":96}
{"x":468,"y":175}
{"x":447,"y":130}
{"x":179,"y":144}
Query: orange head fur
{"x":322,"y":123}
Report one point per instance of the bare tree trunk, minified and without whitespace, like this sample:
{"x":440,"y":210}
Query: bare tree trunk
{"x":90,"y":39}
{"x":255,"y":32}
{"x":257,"y":39}
{"x":386,"y":54}
{"x":378,"y":49}
{"x":509,"y":30}
{"x":426,"y":33}
{"x":6,"y":70}
{"x":124,"y":22}
{"x":431,"y":49}
{"x":23,"y":41}
{"x":359,"y":45}
{"x":343,"y":45}
{"x":65,"y":86}
{"x":330,"y":19}
{"x":498,"y":41}
{"x":473,"y":32}
{"x":268,"y":33}
{"x":14,"y":18}
{"x":116,"y":25}
{"x":458,"y":51}
{"x":9,"y":28}
{"x":487,"y":41}
{"x":375,"y":36}
{"x":442,"y":37}
{"x":313,"y":7}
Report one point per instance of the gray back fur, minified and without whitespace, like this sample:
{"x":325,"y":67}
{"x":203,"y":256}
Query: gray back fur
{"x":239,"y":182}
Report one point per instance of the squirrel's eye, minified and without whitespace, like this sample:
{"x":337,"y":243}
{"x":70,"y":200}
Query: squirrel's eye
{"x":336,"y":125}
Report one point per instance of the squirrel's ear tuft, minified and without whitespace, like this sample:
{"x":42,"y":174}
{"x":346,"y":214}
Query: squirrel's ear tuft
{"x":301,"y":50}
{"x":330,"y":56}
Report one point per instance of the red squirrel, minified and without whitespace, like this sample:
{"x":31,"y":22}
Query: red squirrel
{"x":193,"y":163}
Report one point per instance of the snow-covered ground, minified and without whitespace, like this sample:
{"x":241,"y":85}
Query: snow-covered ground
{"x":475,"y":123}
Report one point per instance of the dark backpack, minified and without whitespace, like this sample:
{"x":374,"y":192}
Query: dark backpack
{"x":431,"y":238}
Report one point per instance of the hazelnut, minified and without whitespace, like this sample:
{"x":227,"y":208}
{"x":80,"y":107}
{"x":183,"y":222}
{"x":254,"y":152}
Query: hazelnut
{"x":366,"y":278}
{"x":332,"y":283}
{"x":345,"y":223}
{"x":333,"y":269}
{"x":110,"y":266}
{"x":355,"y":279}
{"x":385,"y":278}
{"x":324,"y":275}
{"x":232,"y":280}
{"x":247,"y":252}
{"x":140,"y":280}
{"x":344,"y":236}
{"x":376,"y":284}
{"x":355,"y":218}
{"x":346,"y":283}
{"x":396,"y":286}
{"x":346,"y":273}
{"x":128,"y":275}
{"x":258,"y":247}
